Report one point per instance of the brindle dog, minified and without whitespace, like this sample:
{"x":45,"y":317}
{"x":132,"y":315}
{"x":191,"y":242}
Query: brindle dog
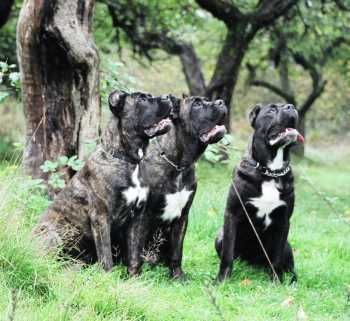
{"x":108,"y":192}
{"x":168,"y":169}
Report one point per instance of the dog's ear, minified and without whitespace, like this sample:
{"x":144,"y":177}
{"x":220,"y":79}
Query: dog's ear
{"x":116,"y":101}
{"x":175,"y":108}
{"x":184,"y":96}
{"x":253,"y":114}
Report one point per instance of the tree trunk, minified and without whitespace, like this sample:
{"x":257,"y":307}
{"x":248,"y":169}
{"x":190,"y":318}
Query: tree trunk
{"x":5,"y":10}
{"x":227,"y":69}
{"x":283,"y":70}
{"x":59,"y":67}
{"x":192,"y":69}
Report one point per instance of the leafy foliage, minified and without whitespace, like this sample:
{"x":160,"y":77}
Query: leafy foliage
{"x":113,"y":77}
{"x":8,"y":73}
{"x":220,"y":152}
{"x":310,"y":28}
{"x":52,"y":167}
{"x":169,"y":17}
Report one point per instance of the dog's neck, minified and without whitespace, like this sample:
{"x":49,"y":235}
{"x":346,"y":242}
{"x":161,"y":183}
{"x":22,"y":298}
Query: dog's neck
{"x":129,"y":143}
{"x":270,"y":157}
{"x":180,"y":147}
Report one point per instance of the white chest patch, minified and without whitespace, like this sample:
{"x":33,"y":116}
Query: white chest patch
{"x":174,"y":204}
{"x":267,"y":202}
{"x":137,"y":193}
{"x":277,"y":162}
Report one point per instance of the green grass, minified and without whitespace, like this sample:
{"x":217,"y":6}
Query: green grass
{"x":48,"y":290}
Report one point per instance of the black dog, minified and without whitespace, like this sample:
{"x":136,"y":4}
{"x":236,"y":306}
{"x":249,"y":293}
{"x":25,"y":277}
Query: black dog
{"x":168,"y":169}
{"x":264,"y":182}
{"x":107,"y":192}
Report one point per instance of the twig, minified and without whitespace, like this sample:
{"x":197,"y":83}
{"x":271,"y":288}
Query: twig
{"x":13,"y":305}
{"x":209,"y":290}
{"x":151,"y":253}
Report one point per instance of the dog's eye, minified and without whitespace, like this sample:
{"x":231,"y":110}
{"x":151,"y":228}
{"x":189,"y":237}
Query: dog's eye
{"x":197,"y":104}
{"x":272,"y":109}
{"x":144,"y":97}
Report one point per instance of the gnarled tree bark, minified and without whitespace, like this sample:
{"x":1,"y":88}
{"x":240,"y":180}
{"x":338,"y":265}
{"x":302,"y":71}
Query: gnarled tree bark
{"x":59,"y":67}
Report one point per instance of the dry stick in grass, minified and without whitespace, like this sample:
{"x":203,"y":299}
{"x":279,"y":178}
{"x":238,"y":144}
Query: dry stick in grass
{"x":209,"y":290}
{"x":13,"y":305}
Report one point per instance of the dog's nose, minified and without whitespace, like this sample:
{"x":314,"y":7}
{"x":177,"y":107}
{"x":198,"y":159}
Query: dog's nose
{"x":289,"y":106}
{"x":221,"y":108}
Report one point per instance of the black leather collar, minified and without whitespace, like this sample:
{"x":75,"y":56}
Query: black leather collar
{"x":264,"y":170}
{"x":122,"y":155}
{"x":125,"y":157}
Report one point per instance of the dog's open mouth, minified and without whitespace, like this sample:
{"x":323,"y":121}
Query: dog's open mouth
{"x":159,"y":128}
{"x":288,"y":135}
{"x":213,"y":135}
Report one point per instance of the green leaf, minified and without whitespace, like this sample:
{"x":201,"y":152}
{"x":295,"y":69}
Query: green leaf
{"x":49,"y":166}
{"x":14,"y":79}
{"x":4,"y":66}
{"x":3,"y":96}
{"x":19,"y":146}
{"x":62,"y":161}
{"x":56,"y":181}
{"x":75,"y":163}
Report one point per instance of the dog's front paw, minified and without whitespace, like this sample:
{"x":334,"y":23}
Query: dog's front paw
{"x":294,"y":278}
{"x":223,"y":275}
{"x":178,"y":274}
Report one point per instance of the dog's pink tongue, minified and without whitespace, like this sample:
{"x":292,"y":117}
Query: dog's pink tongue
{"x":293,"y":131}
{"x":301,"y":139}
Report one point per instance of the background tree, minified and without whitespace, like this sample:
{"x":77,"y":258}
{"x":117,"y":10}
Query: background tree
{"x":242,"y":21}
{"x":308,"y":39}
{"x":59,"y":66}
